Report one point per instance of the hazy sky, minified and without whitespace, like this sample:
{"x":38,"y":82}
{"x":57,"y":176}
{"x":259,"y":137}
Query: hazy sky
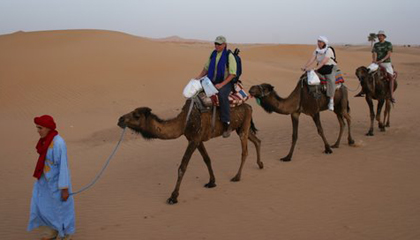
{"x":242,"y":21}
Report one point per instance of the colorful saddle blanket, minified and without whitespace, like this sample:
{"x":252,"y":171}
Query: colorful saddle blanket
{"x":338,"y":78}
{"x":236,"y":97}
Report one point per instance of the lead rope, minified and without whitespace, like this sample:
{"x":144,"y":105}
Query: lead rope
{"x":104,"y":167}
{"x":189,"y":111}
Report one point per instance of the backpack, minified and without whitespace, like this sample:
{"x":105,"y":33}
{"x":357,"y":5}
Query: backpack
{"x":238,"y":63}
{"x":335,"y":56}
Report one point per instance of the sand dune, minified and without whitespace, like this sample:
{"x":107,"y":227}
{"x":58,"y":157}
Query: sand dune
{"x":86,"y":79}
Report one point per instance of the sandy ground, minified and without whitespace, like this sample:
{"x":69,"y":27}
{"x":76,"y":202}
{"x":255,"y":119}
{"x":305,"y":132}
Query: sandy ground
{"x":87,"y":79}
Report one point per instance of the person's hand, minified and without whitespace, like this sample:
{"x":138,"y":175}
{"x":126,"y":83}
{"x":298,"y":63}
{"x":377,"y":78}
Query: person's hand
{"x":64,"y":194}
{"x":218,"y":86}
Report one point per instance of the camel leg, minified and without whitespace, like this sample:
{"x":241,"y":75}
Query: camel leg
{"x":372,"y":114}
{"x":317,"y":121}
{"x":295,"y":123}
{"x":348,"y":119}
{"x":346,"y":114}
{"x":387,"y":113}
{"x":181,"y":171}
{"x":257,"y":142}
{"x":378,"y":115}
{"x":341,"y":122}
{"x":206,"y":158}
{"x":244,"y":143}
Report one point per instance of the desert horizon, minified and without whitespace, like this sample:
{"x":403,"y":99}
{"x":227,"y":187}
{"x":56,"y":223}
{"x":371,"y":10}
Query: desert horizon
{"x":87,"y":79}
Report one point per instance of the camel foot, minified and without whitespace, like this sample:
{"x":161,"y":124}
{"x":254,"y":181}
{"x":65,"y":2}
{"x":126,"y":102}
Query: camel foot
{"x":286,"y":159}
{"x":388,"y":125}
{"x":260,"y":165}
{"x":172,"y":201}
{"x":235,"y":179}
{"x":335,"y":145}
{"x":370,"y":133}
{"x":382,"y":129}
{"x":210,"y":185}
{"x":328,"y":151}
{"x":351,"y":142}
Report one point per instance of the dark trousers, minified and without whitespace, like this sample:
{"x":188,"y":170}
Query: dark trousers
{"x":224,"y":102}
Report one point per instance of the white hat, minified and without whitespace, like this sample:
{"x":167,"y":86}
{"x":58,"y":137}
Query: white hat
{"x":220,"y":40}
{"x":323,"y":39}
{"x":381,"y":32}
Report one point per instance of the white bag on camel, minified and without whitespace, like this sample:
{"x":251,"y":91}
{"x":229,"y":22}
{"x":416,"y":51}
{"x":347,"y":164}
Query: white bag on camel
{"x":192,"y":88}
{"x":313,"y":78}
{"x":208,"y":86}
{"x":373,"y":67}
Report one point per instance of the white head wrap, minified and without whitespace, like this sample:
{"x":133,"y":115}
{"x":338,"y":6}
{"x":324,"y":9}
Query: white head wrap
{"x":325,"y":40}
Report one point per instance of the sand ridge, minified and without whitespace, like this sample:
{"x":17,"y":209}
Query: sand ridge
{"x":86,"y":79}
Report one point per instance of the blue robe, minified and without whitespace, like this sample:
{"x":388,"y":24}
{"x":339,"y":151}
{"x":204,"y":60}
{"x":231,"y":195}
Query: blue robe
{"x":47,"y":208}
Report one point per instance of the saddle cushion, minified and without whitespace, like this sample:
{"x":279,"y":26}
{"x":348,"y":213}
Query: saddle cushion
{"x":236,"y":97}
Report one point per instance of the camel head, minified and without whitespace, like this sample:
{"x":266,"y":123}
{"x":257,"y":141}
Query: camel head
{"x":137,"y":121}
{"x":362,"y":72}
{"x":260,"y":91}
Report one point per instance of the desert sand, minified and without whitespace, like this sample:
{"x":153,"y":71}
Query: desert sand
{"x":87,"y":79}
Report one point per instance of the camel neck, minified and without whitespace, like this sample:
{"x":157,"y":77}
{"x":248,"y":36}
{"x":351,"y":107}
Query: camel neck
{"x":167,"y":129}
{"x":282,"y":105}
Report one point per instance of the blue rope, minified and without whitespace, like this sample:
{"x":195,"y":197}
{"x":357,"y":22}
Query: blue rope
{"x":103,"y":169}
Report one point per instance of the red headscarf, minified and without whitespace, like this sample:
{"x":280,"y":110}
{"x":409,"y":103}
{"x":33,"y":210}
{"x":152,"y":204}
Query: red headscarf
{"x":43,"y":143}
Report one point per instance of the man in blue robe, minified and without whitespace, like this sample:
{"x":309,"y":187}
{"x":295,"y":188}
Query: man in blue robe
{"x":52,"y":207}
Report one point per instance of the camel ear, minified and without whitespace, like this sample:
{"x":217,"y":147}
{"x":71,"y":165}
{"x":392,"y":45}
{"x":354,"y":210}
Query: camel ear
{"x":145,"y":111}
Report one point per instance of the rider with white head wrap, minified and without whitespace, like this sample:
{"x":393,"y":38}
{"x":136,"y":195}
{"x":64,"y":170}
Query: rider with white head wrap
{"x":326,"y":65}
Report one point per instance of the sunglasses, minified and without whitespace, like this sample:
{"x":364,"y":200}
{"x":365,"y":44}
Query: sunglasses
{"x":218,"y":44}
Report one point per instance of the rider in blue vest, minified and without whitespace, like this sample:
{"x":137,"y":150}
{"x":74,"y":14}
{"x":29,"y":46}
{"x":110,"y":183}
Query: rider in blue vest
{"x":221,"y":70}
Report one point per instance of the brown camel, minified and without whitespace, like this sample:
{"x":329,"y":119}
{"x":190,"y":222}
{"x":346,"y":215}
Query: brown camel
{"x":376,"y":86}
{"x":302,"y":101}
{"x":197,"y":130}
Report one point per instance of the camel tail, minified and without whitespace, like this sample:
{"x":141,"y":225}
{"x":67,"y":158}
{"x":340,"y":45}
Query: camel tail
{"x":253,"y":128}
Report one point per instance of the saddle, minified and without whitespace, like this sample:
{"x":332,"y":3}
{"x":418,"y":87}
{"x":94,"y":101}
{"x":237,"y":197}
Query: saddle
{"x":318,"y":90}
{"x":383,"y":74}
{"x":237,"y":97}
{"x":205,"y":104}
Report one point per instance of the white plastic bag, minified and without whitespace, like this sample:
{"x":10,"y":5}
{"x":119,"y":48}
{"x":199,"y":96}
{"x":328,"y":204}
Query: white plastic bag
{"x":313,"y":78}
{"x":192,"y":88}
{"x":208,"y":87}
{"x":373,"y":67}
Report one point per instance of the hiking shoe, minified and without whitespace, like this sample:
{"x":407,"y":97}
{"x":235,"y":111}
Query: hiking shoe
{"x":226,"y":130}
{"x":331,"y":106}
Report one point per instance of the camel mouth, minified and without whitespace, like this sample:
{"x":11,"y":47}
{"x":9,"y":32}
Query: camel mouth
{"x":121,"y":123}
{"x":253,"y":93}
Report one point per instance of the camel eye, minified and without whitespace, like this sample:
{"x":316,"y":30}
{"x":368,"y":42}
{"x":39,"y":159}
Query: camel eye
{"x":136,"y":115}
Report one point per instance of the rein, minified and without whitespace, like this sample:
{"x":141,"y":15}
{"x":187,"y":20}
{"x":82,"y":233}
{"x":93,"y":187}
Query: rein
{"x":103,"y":168}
